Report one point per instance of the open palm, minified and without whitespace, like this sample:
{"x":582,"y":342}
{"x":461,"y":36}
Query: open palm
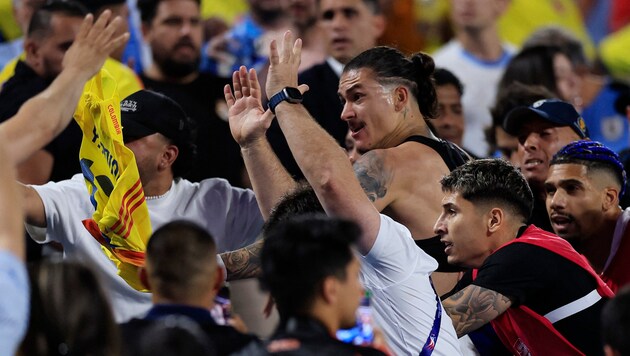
{"x":248,"y":120}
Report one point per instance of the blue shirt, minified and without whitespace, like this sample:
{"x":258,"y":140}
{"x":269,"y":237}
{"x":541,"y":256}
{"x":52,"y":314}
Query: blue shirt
{"x":14,"y":302}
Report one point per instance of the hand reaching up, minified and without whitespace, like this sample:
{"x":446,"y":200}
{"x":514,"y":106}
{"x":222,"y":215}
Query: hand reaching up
{"x":93,"y":44}
{"x":248,"y":120}
{"x":284,"y":63}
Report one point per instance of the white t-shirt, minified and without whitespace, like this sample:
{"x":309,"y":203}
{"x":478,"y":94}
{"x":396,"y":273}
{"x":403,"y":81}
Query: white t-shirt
{"x":230,"y":214}
{"x":397,"y":271}
{"x":480,"y":80}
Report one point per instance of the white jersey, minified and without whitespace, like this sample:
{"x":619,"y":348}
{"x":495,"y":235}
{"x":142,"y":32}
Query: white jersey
{"x":229,"y":214}
{"x":397,"y":272}
{"x":480,"y":80}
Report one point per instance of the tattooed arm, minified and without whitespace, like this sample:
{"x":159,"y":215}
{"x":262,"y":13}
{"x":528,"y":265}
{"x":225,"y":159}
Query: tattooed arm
{"x":474,"y":306}
{"x":243,"y":263}
{"x":375,"y":178}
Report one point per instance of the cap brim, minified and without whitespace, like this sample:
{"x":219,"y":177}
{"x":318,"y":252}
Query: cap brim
{"x":516,"y":118}
{"x":133,"y":129}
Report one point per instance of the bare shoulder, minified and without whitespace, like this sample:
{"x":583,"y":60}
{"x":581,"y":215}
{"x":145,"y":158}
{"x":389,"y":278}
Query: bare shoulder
{"x":414,"y":157}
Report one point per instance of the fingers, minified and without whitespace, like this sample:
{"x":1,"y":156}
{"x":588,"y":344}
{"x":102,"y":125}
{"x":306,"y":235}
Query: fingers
{"x":245,"y":85}
{"x":297,"y":51}
{"x":274,"y":58}
{"x":267,"y":118}
{"x":236,"y":84}
{"x":86,"y":25}
{"x":229,"y":98}
{"x":303,"y":88}
{"x":286,"y":47}
{"x":99,"y":26}
{"x":255,"y":85}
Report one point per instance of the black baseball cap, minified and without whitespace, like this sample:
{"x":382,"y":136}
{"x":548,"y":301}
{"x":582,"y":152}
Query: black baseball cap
{"x":557,"y":112}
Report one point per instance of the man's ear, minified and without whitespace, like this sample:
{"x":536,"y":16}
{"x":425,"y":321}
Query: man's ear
{"x":611,"y":198}
{"x":168,"y":157}
{"x":401,"y":97}
{"x":144,"y":277}
{"x":329,"y":290}
{"x":495,"y":219}
{"x":379,"y":23}
{"x":31,"y":48}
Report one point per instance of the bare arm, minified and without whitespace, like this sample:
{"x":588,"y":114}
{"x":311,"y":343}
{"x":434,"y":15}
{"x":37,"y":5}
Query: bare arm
{"x":473,"y":307}
{"x":325,"y":166}
{"x":243,"y":263}
{"x":374,"y":177}
{"x":44,"y":116}
{"x":249,"y":123}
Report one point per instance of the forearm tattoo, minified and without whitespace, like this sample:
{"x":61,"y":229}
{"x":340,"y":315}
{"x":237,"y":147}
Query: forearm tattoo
{"x":374,"y":178}
{"x":243,"y":263}
{"x":474,"y":306}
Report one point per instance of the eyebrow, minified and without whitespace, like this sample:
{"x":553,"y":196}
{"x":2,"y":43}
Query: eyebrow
{"x":353,"y":87}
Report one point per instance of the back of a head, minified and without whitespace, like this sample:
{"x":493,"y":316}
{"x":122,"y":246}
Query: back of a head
{"x":70,"y":314}
{"x":300,"y":201}
{"x":181,"y":259}
{"x":299,"y":253}
{"x":492,"y":180}
{"x":616,"y":323}
{"x":556,"y":36}
{"x":175,"y":335}
{"x":532,"y":66}
{"x":40,"y":24}
{"x":391,"y":67}
{"x":595,"y":157}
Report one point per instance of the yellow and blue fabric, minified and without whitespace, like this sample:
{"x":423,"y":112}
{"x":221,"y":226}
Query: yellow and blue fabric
{"x":121,"y":221}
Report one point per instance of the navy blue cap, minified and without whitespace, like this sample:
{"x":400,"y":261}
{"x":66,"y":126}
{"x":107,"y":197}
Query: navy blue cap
{"x":555,"y":111}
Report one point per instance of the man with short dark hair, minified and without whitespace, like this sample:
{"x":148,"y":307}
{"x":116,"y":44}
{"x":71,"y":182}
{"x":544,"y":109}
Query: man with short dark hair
{"x":538,"y":294}
{"x":542,"y":129}
{"x":182,"y":273}
{"x":172,"y":28}
{"x":449,"y":122}
{"x":585,"y":182}
{"x":159,"y":134}
{"x":310,"y":269}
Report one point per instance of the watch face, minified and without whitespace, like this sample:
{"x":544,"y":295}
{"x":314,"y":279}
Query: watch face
{"x":293,"y":95}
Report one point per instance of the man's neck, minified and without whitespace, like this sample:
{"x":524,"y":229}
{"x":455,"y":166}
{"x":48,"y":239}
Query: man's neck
{"x":596,"y":248}
{"x":483,"y":44}
{"x":156,"y":74}
{"x":157,"y":186}
{"x":414,"y":125}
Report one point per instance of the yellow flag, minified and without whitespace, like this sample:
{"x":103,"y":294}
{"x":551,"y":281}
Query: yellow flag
{"x":121,"y":219}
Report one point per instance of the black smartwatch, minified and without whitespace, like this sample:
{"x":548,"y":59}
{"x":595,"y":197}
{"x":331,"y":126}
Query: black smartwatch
{"x":290,"y":94}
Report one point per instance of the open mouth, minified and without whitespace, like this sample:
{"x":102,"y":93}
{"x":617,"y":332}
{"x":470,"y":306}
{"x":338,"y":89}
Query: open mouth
{"x":448,"y":246}
{"x":356,"y":129}
{"x":532,"y":163}
{"x":560,"y":221}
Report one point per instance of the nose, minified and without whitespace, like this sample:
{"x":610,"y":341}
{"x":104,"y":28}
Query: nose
{"x":339,"y":21}
{"x":347,"y":113}
{"x":440,"y":227}
{"x":531,"y":142}
{"x":557,"y":200}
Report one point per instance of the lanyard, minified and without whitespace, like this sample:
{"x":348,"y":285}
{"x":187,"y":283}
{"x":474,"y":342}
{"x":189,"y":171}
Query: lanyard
{"x":429,"y":345}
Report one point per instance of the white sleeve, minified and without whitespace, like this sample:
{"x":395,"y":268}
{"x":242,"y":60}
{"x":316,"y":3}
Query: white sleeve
{"x":65,"y":203}
{"x":394,"y":256}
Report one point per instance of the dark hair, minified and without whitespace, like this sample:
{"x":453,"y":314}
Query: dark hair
{"x":69,"y":312}
{"x":180,"y":255}
{"x":299,"y":253}
{"x":391,"y":66}
{"x":514,"y":95}
{"x":595,"y":157}
{"x":556,"y":36}
{"x":616,"y":322}
{"x":532,"y":66}
{"x":300,"y":201}
{"x":491,"y":180}
{"x":174,"y":335}
{"x":39,"y":26}
{"x":374,"y":5}
{"x":443,"y":77}
{"x":148,"y":9}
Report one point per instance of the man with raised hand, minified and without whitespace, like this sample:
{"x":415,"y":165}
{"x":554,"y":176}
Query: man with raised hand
{"x":397,"y":272}
{"x":25,"y":133}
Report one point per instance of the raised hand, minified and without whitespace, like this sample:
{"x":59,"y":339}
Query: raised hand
{"x":284,"y":64}
{"x":93,"y":44}
{"x":248,"y":120}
